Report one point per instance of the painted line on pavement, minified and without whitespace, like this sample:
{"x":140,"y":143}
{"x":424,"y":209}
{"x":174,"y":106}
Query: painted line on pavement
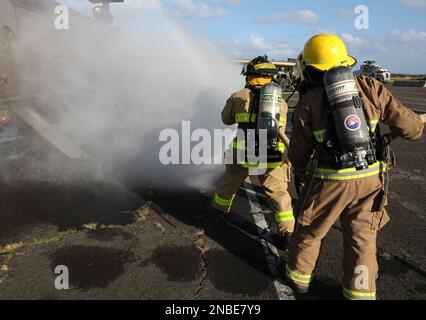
{"x":272,"y":256}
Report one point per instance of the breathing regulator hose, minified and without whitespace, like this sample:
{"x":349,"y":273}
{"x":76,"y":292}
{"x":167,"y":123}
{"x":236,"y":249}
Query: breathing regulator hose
{"x":386,"y":141}
{"x":308,"y":185}
{"x":291,"y":96}
{"x":386,"y":181}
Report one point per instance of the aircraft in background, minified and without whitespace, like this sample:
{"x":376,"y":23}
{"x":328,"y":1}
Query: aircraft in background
{"x":372,"y":69}
{"x":101,"y":10}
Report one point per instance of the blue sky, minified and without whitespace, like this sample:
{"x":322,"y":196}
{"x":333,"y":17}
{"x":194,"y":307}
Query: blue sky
{"x":396,"y":37}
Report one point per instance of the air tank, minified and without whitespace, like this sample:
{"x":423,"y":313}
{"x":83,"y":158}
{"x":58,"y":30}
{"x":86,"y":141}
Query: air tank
{"x":347,"y":110}
{"x":269,"y":112}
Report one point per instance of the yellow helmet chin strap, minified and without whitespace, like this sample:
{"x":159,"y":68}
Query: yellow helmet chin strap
{"x":258,"y":81}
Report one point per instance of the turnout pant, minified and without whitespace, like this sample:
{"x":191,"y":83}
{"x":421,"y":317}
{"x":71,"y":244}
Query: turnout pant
{"x":275,"y":184}
{"x":356,"y":203}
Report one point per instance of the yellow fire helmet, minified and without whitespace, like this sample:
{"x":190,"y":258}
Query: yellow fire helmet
{"x":325,"y":51}
{"x":260,"y":66}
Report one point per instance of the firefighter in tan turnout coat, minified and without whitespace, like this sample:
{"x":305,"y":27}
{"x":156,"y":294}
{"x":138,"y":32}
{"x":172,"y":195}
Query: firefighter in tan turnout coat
{"x":240,"y":109}
{"x":353,"y":195}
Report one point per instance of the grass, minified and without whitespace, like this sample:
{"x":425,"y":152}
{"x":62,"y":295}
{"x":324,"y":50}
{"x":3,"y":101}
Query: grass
{"x":13,"y":247}
{"x":160,"y":227}
{"x":5,"y":268}
{"x":90,"y":226}
{"x":409,"y":77}
{"x":143,"y":213}
{"x":202,"y":246}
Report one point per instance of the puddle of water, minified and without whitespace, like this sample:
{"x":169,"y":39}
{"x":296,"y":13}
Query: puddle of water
{"x":89,"y":266}
{"x":179,"y":263}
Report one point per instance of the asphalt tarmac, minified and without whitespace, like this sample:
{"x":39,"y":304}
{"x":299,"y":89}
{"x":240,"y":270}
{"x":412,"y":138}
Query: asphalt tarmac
{"x":128,"y":244}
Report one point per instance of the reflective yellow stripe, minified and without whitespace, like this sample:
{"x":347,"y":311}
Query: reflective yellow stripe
{"x":269,"y":165}
{"x":373,"y":124}
{"x":355,"y":295}
{"x":284,"y":216}
{"x":241,"y":145}
{"x":319,"y":135}
{"x":237,"y":144}
{"x":280,"y":147}
{"x":350,"y":173}
{"x":320,"y":131}
{"x":264,"y":66}
{"x":222,"y":202}
{"x":245,"y":117}
{"x":304,"y":279}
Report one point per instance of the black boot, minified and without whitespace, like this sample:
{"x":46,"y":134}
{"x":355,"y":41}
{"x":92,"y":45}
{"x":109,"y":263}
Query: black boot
{"x":287,"y":240}
{"x":298,"y":289}
{"x":284,"y":241}
{"x":213,"y":217}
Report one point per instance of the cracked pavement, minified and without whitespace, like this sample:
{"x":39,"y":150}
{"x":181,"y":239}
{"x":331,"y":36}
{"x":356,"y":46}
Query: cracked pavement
{"x":136,"y":261}
{"x":117,"y":246}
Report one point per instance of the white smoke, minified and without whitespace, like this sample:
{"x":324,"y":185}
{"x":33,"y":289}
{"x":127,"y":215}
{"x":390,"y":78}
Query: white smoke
{"x":117,"y":88}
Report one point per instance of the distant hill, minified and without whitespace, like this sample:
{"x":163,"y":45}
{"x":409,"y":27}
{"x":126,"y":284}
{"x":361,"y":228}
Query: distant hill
{"x":404,"y":76}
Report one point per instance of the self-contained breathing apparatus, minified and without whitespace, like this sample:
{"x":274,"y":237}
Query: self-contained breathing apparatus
{"x":269,"y":112}
{"x":349,"y":142}
{"x":265,"y":106}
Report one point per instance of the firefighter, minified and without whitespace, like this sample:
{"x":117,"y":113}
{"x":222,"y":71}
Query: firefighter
{"x":352,"y":191}
{"x":301,"y":86}
{"x":242,"y":108}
